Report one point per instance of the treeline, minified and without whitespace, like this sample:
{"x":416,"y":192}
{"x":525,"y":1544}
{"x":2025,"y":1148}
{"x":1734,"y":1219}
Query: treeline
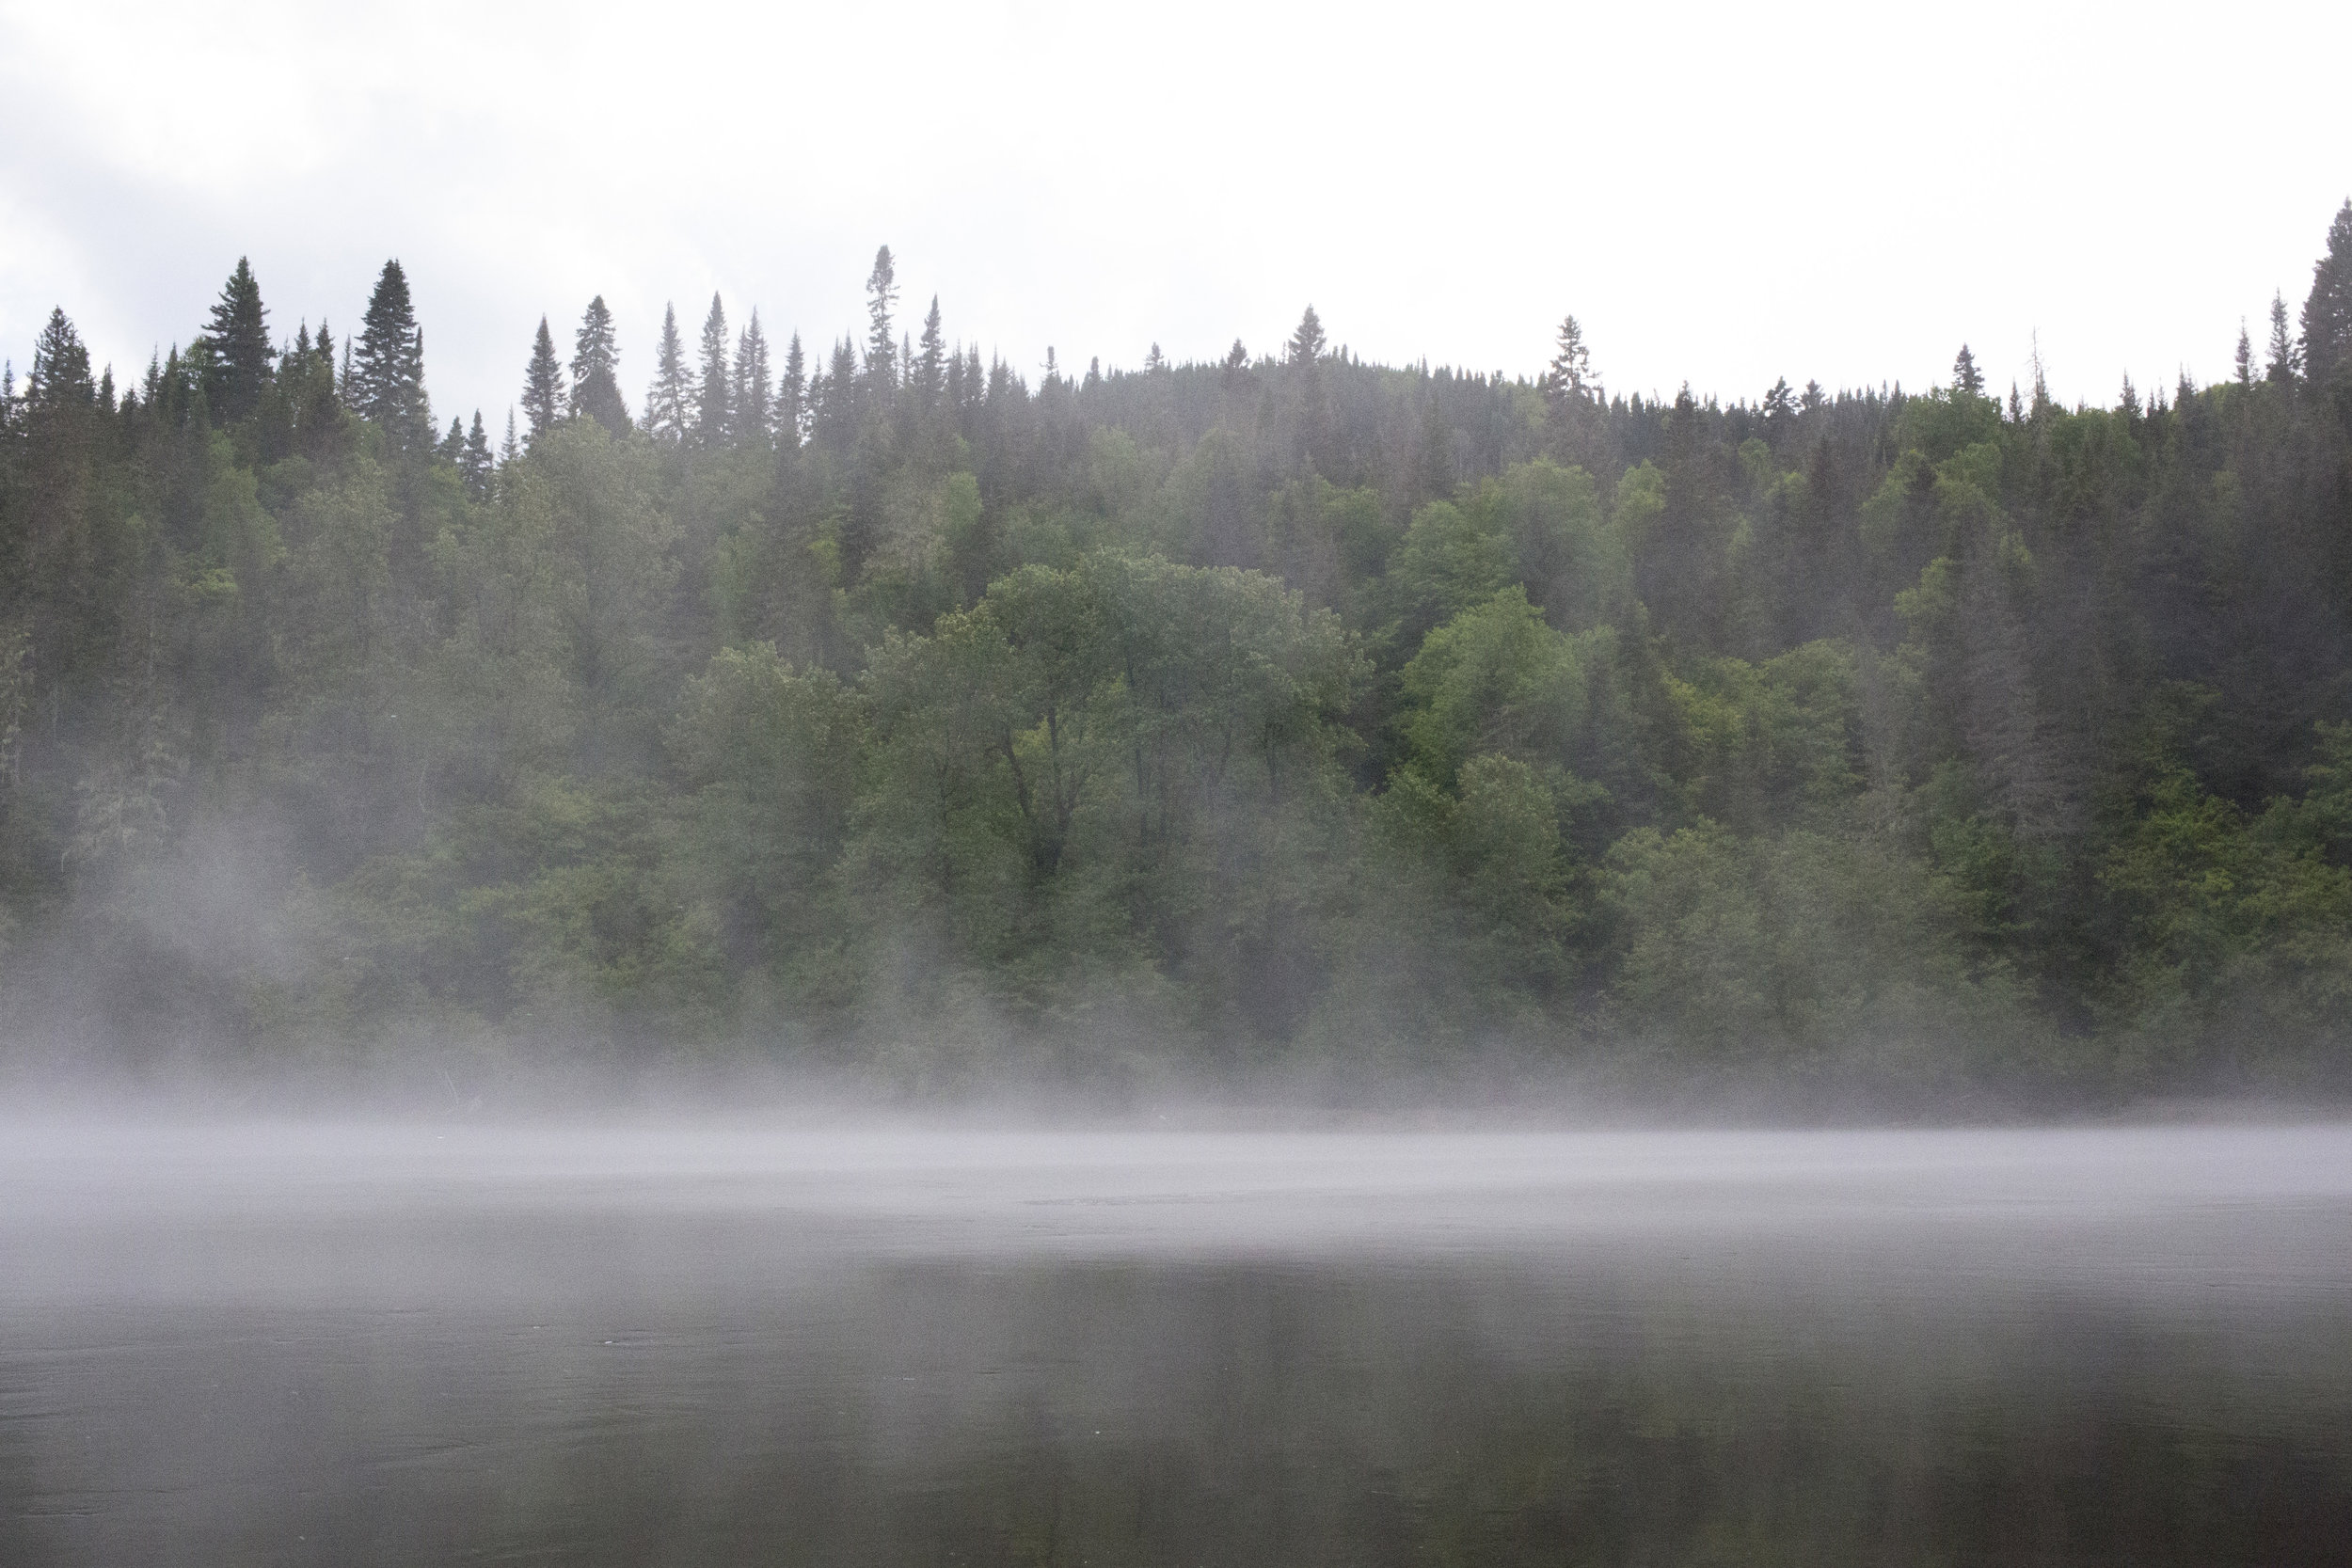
{"x":879,"y":711}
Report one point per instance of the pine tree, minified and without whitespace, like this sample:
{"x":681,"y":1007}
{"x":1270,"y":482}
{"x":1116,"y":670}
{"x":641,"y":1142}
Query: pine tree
{"x":387,"y":368}
{"x":543,"y":383}
{"x":1236,"y":361}
{"x":754,"y":389}
{"x":713,"y":414}
{"x":474,"y":463}
{"x":1154,"y":361}
{"x":1307,"y":342}
{"x":2327,"y":312}
{"x":596,"y":370}
{"x":2244,"y":355}
{"x":237,"y":342}
{"x":510,"y":451}
{"x":793,"y":397}
{"x":1568,"y":378}
{"x":454,"y":444}
{"x":1966,"y":378}
{"x":2286,"y":356}
{"x":665,"y":399}
{"x":59,"y":378}
{"x":882,"y":293}
{"x":931,"y":365}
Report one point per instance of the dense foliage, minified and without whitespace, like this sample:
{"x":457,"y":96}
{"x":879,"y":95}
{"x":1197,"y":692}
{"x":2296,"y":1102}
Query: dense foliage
{"x":890,"y":713}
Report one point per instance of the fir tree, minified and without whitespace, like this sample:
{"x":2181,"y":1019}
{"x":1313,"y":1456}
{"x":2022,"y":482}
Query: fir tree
{"x":387,"y":368}
{"x":474,"y":463}
{"x":543,"y":383}
{"x":1568,"y":378}
{"x":454,"y":444}
{"x":881,"y":294}
{"x":596,"y":370}
{"x":713,"y":411}
{"x":791,"y":410}
{"x":665,"y":399}
{"x":1154,"y":361}
{"x":2286,"y":356}
{"x":2327,"y":312}
{"x":753,"y":391}
{"x":60,"y":375}
{"x":1307,"y":342}
{"x":2245,"y":361}
{"x":510,"y":450}
{"x":930,"y":373}
{"x":237,"y":344}
{"x":1966,"y":378}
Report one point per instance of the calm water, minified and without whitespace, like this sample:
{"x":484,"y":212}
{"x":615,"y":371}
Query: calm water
{"x":372,"y":1345}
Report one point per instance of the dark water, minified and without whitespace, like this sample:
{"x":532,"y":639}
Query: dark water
{"x":369,"y":1345}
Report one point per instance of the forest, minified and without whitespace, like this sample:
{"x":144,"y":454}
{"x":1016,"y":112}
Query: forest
{"x":870,"y":711}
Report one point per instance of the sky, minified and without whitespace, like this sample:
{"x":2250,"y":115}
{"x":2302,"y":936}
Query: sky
{"x":1721,"y":196}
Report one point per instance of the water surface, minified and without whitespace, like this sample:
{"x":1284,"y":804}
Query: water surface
{"x":369,"y":1344}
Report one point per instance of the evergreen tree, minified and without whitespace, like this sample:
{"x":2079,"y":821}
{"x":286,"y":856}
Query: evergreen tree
{"x":714,"y":413}
{"x":2245,"y":359}
{"x":596,"y":370}
{"x":1154,"y":361}
{"x":452,"y":445}
{"x":510,"y":450}
{"x":1966,"y":378}
{"x":387,"y":368}
{"x":791,"y":411}
{"x":543,"y":383}
{"x":2327,"y":312}
{"x":1236,"y":361}
{"x":474,"y":462}
{"x":1569,"y":375}
{"x":237,"y":344}
{"x":1306,"y":341}
{"x":754,"y":389}
{"x":665,"y":399}
{"x":881,"y":294}
{"x":930,"y":373}
{"x":2286,"y":357}
{"x":59,"y":378}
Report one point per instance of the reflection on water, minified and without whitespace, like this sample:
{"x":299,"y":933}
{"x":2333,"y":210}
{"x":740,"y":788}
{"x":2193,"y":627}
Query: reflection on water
{"x":394,"y":1346}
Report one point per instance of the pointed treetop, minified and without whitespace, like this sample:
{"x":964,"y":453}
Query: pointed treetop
{"x":1965,"y":376}
{"x":237,"y":342}
{"x":2286,"y":355}
{"x":665,"y":399}
{"x":882,"y":293}
{"x":543,"y":383}
{"x":2327,"y":312}
{"x":1306,"y":341}
{"x":387,"y":370}
{"x":596,"y":370}
{"x":1571,"y":374}
{"x":713,"y":406}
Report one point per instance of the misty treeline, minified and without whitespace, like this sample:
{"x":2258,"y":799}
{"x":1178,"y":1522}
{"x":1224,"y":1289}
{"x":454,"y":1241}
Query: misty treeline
{"x":880,"y":709}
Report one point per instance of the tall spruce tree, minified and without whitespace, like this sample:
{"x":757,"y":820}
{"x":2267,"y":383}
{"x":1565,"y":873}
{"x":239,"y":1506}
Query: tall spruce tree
{"x":1307,"y":340}
{"x":1966,"y":378}
{"x":753,"y":391}
{"x":666,"y":397}
{"x":714,"y":411}
{"x":474,"y":463}
{"x":2328,"y":310}
{"x":543,"y":383}
{"x":791,"y":413}
{"x":1568,"y":377}
{"x":236,"y":340}
{"x":59,"y":378}
{"x":2286,"y":355}
{"x":387,"y":367}
{"x":881,"y":294}
{"x":596,"y":370}
{"x":930,"y":371}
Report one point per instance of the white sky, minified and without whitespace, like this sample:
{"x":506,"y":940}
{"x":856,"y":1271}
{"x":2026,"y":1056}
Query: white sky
{"x":1721,"y":196}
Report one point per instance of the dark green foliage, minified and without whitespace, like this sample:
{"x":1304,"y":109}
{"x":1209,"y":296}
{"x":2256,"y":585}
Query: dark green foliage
{"x":1294,"y":713}
{"x":388,"y":365}
{"x":2327,"y":312}
{"x":542,"y":400}
{"x":237,"y":348}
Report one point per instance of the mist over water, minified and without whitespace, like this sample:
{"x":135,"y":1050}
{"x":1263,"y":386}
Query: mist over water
{"x":310,"y":1342}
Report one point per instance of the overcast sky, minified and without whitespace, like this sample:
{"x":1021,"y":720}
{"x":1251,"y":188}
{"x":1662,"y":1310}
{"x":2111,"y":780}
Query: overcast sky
{"x":1842,"y":193}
